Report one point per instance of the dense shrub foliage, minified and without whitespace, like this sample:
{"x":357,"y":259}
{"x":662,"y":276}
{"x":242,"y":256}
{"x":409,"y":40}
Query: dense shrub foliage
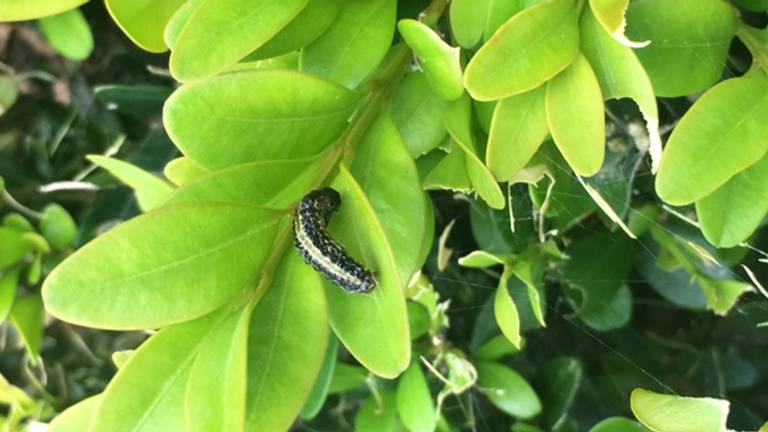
{"x":563,"y":203}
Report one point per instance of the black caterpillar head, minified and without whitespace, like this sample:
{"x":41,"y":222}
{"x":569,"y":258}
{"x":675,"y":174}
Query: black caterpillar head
{"x":325,"y":200}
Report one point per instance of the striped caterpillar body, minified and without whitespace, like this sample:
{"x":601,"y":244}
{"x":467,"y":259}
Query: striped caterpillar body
{"x":319,"y":250}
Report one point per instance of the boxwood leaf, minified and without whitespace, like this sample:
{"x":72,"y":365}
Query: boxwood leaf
{"x":576,"y":118}
{"x":473,"y":19}
{"x":439,"y":60}
{"x":183,"y":170}
{"x":611,"y":16}
{"x":621,"y":75}
{"x":414,"y":402}
{"x":383,"y":344}
{"x":518,"y":128}
{"x":144,"y":21}
{"x":689,"y":42}
{"x":506,"y":389}
{"x":178,"y":20}
{"x":22,"y":10}
{"x":660,"y":412}
{"x":529,"y":49}
{"x":322,"y":386}
{"x":418,"y":113}
{"x":450,"y":173}
{"x":354,"y":45}
{"x":722,"y":294}
{"x":27,"y":315}
{"x":308,"y":25}
{"x":273,"y":184}
{"x":722,"y":134}
{"x":378,"y":414}
{"x":219,"y":33}
{"x":558,"y":382}
{"x":76,"y":418}
{"x":57,"y":226}
{"x":505,"y":310}
{"x":9,"y":282}
{"x":139,"y":275}
{"x":215,"y":392}
{"x":617,"y":424}
{"x":15,"y":247}
{"x":147,"y":394}
{"x":347,"y":377}
{"x":387,"y":174}
{"x":731,"y":213}
{"x":150,"y":190}
{"x":296,"y":115}
{"x":286,"y":346}
{"x":69,"y":34}
{"x":140,"y":100}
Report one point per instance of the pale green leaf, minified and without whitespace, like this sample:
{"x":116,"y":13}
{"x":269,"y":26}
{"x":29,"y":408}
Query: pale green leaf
{"x":144,"y":21}
{"x":473,"y":19}
{"x":378,"y":414}
{"x":506,"y":389}
{"x":382,"y":345}
{"x":69,"y":34}
{"x":295,"y":115}
{"x":15,"y":247}
{"x":147,"y":394}
{"x":671,"y":413}
{"x":216,"y":390}
{"x":286,"y":346}
{"x":414,"y":402}
{"x":617,"y":424}
{"x":354,"y":45}
{"x":418,"y":113}
{"x":139,"y":275}
{"x":183,"y":170}
{"x":150,"y":190}
{"x":722,"y":134}
{"x":76,"y":418}
{"x":611,"y":16}
{"x":450,"y":173}
{"x":731,"y":213}
{"x":518,"y":128}
{"x":497,"y":347}
{"x":505,"y":311}
{"x":528,"y":50}
{"x":576,"y":118}
{"x":439,"y":60}
{"x":480,"y":259}
{"x":27,"y":316}
{"x":722,"y":294}
{"x":120,"y":358}
{"x":387,"y":174}
{"x":621,"y":75}
{"x":178,"y":20}
{"x":321,"y":389}
{"x":22,"y":10}
{"x":57,"y":226}
{"x":689,"y":42}
{"x":221,"y":32}
{"x":347,"y":377}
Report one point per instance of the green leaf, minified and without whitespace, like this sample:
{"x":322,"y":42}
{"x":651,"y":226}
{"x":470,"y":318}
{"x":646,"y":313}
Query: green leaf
{"x":219,"y":33}
{"x":139,"y":100}
{"x":528,"y":270}
{"x":506,"y":389}
{"x":69,"y":34}
{"x":383,"y":310}
{"x":216,"y":390}
{"x":346,"y":378}
{"x":17,"y":222}
{"x":414,"y":402}
{"x":272,"y":184}
{"x":617,"y":424}
{"x":9,"y":282}
{"x":439,"y":60}
{"x":296,"y":115}
{"x":57,"y":226}
{"x":418,"y":113}
{"x":458,"y":121}
{"x":419,"y":320}
{"x":397,"y":200}
{"x":731,"y":213}
{"x":610,"y":14}
{"x":183,"y":170}
{"x":322,"y":386}
{"x":310,"y":24}
{"x":576,"y":117}
{"x":722,"y":134}
{"x":144,"y":21}
{"x":621,"y":75}
{"x":472,"y":19}
{"x":147,"y":394}
{"x":518,"y":128}
{"x":150,"y":190}
{"x":689,"y":42}
{"x":497,"y":347}
{"x":120,"y":358}
{"x":76,"y":418}
{"x":139,"y":275}
{"x":28,"y":316}
{"x":378,"y":414}
{"x":664,"y":413}
{"x":356,"y":42}
{"x":286,"y":346}
{"x":450,"y":173}
{"x":22,"y":10}
{"x":505,"y":311}
{"x":178,"y":20}
{"x":8,"y":95}
{"x":722,"y":294}
{"x":15,"y":247}
{"x":558,"y":382}
{"x":480,"y":259}
{"x":528,"y":50}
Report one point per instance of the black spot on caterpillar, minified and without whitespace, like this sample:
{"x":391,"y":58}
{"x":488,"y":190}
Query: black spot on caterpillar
{"x":319,"y":250}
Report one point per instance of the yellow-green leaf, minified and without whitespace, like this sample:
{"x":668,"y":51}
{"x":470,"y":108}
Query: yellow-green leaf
{"x":505,"y":311}
{"x":22,"y":10}
{"x":611,"y":16}
{"x":144,"y":21}
{"x":183,"y":170}
{"x":671,"y":413}
{"x":150,"y":190}
{"x":69,"y":34}
{"x":414,"y":402}
{"x":76,"y":418}
{"x":439,"y":60}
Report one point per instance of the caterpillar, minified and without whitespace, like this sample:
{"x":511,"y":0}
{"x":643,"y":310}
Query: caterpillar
{"x":319,"y":250}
